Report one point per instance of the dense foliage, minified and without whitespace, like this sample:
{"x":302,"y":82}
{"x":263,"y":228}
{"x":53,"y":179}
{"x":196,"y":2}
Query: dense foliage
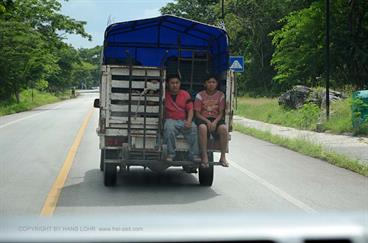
{"x":283,"y":40}
{"x":32,"y":51}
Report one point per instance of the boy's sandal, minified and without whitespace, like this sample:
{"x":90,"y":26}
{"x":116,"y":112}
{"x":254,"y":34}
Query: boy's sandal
{"x":224,"y":163}
{"x":204,"y":164}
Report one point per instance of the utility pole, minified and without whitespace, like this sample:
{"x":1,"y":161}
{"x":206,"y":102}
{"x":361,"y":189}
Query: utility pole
{"x":327,"y":59}
{"x":222,"y":10}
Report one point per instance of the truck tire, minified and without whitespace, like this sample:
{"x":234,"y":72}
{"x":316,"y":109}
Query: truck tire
{"x":102,"y":159}
{"x":125,"y":151}
{"x":110,"y":174}
{"x":206,"y":174}
{"x":163,"y":152}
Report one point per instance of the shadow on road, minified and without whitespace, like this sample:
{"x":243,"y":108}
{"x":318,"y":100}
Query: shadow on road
{"x":138,"y":187}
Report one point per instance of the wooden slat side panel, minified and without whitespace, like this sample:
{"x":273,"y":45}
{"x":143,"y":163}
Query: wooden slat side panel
{"x":108,"y":93}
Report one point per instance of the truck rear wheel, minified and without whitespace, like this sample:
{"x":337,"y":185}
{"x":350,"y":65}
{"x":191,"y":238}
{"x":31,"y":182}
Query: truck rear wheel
{"x":206,"y":174}
{"x":110,"y":174}
{"x":102,"y":159}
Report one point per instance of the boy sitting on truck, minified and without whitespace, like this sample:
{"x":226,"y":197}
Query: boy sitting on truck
{"x":179,"y":119}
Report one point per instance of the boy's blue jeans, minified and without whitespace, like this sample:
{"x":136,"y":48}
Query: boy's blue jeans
{"x":172,"y":128}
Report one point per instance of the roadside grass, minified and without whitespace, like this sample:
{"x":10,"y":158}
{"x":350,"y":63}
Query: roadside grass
{"x":268,"y":110}
{"x":340,"y":117}
{"x":26,"y":103}
{"x":307,"y":148}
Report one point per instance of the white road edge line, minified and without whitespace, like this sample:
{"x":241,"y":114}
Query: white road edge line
{"x":27,"y":117}
{"x":274,"y":189}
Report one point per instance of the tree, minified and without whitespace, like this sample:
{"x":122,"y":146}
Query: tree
{"x":298,"y":57}
{"x":299,"y":46}
{"x":21,"y":49}
{"x":5,"y":5}
{"x":199,"y":10}
{"x":33,"y":53}
{"x":349,"y":47}
{"x":44,"y":17}
{"x":248,"y":23}
{"x":68,"y":58}
{"x":91,"y":60}
{"x":83,"y":75}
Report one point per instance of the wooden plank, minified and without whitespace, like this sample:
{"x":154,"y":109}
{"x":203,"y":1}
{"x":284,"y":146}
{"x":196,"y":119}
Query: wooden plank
{"x":121,"y":96}
{"x":116,"y":131}
{"x":135,"y":84}
{"x":153,"y":73}
{"x":134,"y":66}
{"x":150,"y":73}
{"x":124,"y":71}
{"x":133,"y":126}
{"x":138,"y":120}
{"x":123,"y":132}
{"x":124,"y":108}
{"x":138,"y":132}
{"x":181,"y":144}
{"x":120,"y":71}
{"x":138,"y":142}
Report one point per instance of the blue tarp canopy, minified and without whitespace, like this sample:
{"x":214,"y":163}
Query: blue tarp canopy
{"x":150,"y":41}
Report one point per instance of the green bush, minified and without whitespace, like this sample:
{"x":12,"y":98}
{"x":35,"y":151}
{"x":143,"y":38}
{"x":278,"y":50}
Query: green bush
{"x":309,"y":114}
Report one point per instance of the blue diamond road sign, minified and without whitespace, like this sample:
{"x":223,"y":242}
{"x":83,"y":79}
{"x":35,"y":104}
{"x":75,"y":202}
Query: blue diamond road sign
{"x":237,"y":63}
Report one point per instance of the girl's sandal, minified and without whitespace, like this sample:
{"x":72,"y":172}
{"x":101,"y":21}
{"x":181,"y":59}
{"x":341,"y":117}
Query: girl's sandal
{"x":224,"y":163}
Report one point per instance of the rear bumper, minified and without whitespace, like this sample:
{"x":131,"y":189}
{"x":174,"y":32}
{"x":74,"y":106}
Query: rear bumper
{"x":148,"y":163}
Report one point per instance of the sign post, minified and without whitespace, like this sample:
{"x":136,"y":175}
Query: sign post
{"x":237,"y":66}
{"x":327,"y":39}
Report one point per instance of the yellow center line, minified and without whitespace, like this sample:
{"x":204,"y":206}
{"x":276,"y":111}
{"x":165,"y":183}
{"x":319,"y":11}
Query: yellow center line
{"x":54,"y":194}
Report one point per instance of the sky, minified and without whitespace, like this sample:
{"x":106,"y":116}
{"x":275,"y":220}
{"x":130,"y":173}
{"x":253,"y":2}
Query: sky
{"x":97,"y":13}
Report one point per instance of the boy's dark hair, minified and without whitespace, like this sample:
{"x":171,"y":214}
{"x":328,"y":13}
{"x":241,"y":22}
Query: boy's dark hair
{"x":209,"y":76}
{"x":171,"y":76}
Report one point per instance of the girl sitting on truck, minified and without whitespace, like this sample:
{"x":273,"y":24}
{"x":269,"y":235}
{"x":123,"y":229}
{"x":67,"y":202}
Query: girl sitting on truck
{"x":209,"y":107}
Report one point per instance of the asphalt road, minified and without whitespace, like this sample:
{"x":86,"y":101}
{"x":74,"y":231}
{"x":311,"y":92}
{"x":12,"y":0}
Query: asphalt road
{"x":262,"y":177}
